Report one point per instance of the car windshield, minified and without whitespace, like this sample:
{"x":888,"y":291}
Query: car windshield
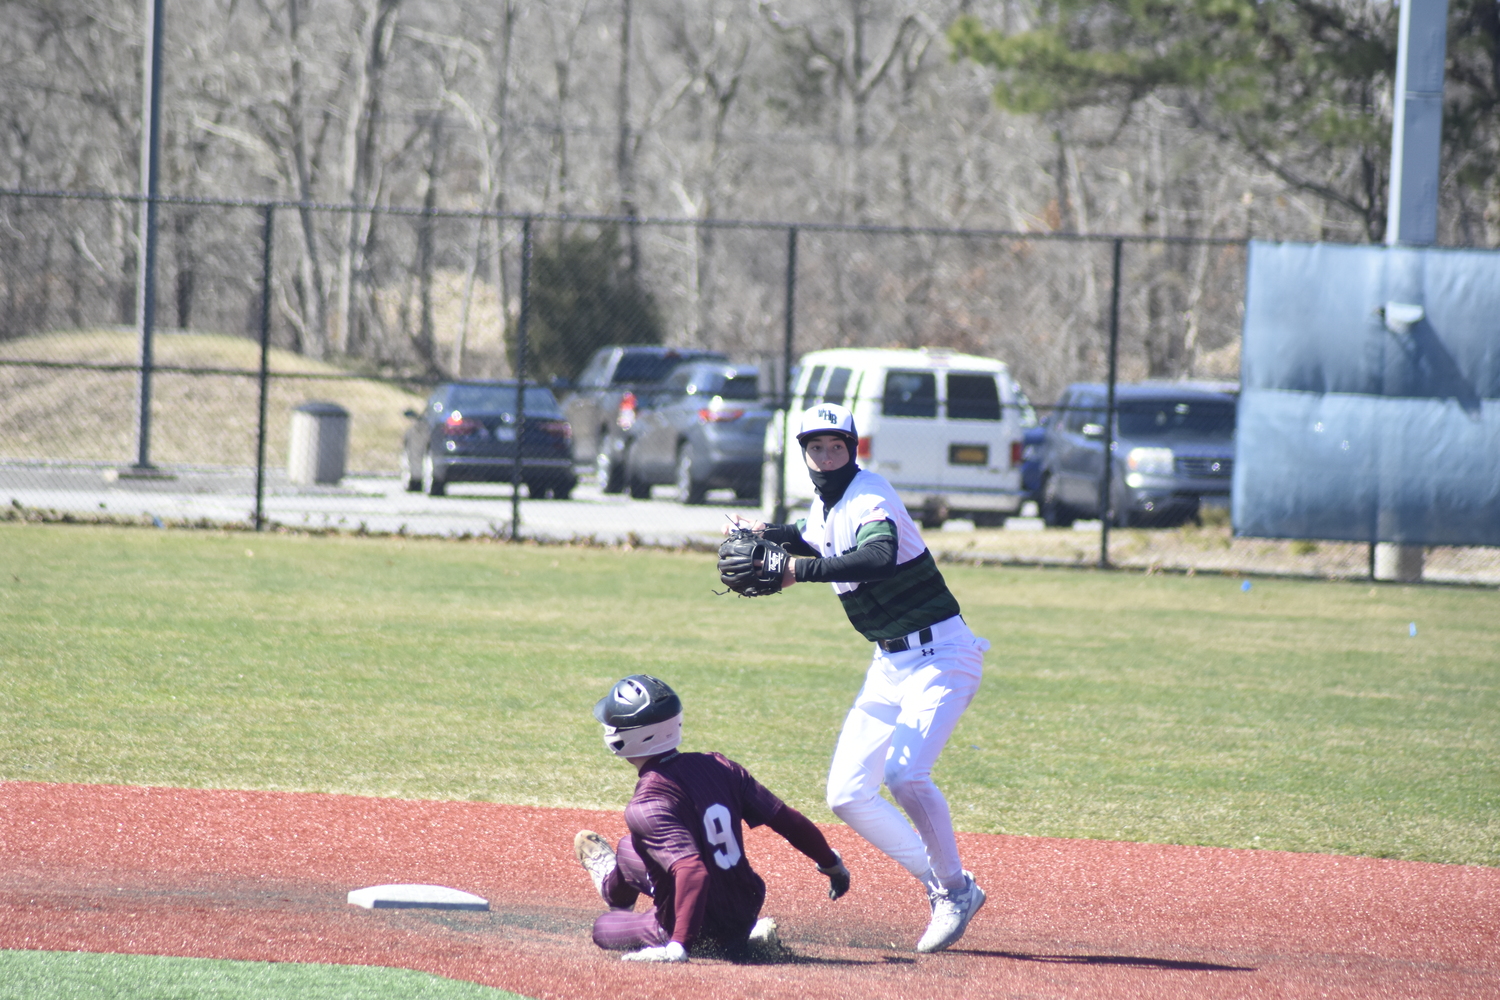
{"x":502,"y":399}
{"x":1176,"y":418}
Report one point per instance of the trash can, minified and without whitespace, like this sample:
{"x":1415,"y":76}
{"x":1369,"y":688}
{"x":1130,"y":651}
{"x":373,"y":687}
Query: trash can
{"x":319,"y":445}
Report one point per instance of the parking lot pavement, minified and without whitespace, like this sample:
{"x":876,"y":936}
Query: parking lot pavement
{"x":374,"y":503}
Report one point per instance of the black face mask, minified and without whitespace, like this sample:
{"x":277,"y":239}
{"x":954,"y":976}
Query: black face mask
{"x":831,"y":485}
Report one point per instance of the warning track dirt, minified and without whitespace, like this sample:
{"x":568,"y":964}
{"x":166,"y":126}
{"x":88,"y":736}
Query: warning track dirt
{"x":264,"y":876}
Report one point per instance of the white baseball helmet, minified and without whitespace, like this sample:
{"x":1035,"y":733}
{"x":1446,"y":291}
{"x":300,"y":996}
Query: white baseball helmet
{"x":828,"y":418}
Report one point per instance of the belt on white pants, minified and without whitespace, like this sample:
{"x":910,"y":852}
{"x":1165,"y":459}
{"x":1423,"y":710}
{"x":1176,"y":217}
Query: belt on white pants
{"x":936,"y":632}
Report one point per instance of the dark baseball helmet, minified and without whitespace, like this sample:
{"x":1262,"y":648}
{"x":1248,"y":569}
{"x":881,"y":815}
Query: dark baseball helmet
{"x":641,"y":716}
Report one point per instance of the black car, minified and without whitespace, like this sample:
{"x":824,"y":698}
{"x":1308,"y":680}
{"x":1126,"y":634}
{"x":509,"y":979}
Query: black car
{"x":704,"y":429}
{"x":467,"y":433}
{"x":1173,"y":449}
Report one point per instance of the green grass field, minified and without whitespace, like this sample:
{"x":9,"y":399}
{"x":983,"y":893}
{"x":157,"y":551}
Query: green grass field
{"x":1293,"y":716}
{"x":66,"y":975}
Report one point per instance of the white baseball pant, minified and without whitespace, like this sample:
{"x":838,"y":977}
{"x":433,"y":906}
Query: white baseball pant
{"x":900,"y":722}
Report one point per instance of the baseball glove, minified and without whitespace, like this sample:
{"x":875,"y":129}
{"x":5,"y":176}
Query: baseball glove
{"x":737,"y":564}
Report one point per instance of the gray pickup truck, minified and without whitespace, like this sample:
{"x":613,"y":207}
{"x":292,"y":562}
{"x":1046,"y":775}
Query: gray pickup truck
{"x":593,"y":405}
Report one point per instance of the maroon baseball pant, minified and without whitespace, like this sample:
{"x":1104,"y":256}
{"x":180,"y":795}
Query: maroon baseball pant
{"x":622,"y":929}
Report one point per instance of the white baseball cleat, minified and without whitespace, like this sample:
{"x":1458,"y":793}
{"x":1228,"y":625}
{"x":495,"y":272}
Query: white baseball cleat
{"x":951,"y":912}
{"x":596,"y":856}
{"x":764,"y":933}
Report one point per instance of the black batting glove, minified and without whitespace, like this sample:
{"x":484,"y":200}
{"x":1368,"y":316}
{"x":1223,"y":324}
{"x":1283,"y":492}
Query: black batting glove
{"x":838,"y":877}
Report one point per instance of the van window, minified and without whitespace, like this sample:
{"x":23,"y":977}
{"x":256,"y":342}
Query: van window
{"x":910,"y":394}
{"x":810,"y":390}
{"x":972,"y":397}
{"x":838,"y":382}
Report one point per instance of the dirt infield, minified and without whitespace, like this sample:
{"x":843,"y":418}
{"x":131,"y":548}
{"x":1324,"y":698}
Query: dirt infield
{"x":263,"y":876}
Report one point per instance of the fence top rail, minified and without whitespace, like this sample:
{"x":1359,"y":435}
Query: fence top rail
{"x":629,"y":220}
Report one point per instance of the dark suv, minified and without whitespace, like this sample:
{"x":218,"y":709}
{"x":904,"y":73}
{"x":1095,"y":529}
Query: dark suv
{"x":612,"y":373}
{"x":705,"y":428}
{"x":1173,"y":448}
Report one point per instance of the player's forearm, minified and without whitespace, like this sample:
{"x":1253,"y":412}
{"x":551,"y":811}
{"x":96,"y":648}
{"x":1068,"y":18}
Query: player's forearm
{"x":874,"y":560}
{"x":690,"y":899}
{"x":804,"y":835}
{"x":788,"y":537}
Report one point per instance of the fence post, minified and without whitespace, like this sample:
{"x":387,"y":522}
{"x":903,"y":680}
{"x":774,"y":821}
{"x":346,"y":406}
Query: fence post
{"x":520,"y":367}
{"x":779,"y":515}
{"x":146,"y":279}
{"x":1109,"y":408}
{"x":265,"y":354}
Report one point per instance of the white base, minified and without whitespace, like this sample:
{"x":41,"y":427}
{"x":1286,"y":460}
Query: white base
{"x":433,"y":897}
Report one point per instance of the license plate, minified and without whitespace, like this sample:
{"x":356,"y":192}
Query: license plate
{"x":504,"y":433}
{"x":968,"y":454}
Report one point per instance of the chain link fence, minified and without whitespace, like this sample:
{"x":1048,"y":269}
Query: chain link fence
{"x":264,"y":308}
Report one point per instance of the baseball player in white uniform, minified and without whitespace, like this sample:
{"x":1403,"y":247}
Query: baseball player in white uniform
{"x":925,"y":671}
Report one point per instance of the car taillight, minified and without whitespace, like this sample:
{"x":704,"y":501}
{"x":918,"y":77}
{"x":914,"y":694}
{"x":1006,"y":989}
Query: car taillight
{"x":626,"y":417}
{"x":1016,"y":452}
{"x":863,"y":449}
{"x":708,"y":416}
{"x":558,"y":428}
{"x":457,"y":425}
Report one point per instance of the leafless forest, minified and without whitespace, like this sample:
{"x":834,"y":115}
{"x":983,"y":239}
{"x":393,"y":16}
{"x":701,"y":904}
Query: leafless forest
{"x":465,"y":115}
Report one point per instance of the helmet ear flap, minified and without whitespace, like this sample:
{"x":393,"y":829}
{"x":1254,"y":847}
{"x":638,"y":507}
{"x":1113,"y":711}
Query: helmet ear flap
{"x":644,"y":741}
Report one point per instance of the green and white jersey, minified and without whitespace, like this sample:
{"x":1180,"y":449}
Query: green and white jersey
{"x":912,"y":599}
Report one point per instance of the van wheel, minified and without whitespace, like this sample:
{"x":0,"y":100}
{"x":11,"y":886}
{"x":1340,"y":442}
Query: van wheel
{"x":934,"y":513}
{"x":989,"y":519}
{"x":1054,"y":514}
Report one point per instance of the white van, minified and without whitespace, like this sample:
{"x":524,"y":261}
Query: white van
{"x":944,"y":428}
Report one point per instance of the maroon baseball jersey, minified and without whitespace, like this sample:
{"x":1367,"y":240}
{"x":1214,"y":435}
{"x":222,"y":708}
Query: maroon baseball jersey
{"x":692,"y":804}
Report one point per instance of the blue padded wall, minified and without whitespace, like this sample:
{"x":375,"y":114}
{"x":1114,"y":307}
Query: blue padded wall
{"x":1350,"y":430}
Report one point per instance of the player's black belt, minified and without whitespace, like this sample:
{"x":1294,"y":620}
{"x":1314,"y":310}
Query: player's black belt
{"x":902,"y":644}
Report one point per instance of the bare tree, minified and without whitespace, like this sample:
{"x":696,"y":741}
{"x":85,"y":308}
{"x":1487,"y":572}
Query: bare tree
{"x":375,"y":26}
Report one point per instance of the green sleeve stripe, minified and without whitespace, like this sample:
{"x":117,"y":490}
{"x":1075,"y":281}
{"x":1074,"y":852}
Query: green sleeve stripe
{"x":875,"y":529}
